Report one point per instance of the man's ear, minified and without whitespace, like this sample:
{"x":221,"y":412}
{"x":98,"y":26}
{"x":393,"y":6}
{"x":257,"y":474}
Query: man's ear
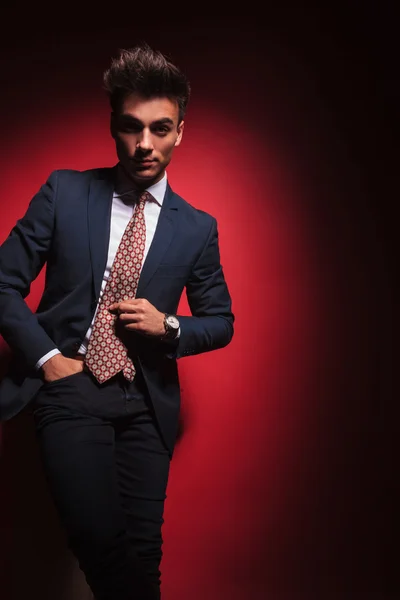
{"x":180,"y":129}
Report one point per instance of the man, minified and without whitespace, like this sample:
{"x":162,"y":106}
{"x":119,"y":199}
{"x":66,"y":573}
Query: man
{"x":97,"y":361}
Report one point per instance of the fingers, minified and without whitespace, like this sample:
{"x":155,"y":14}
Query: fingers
{"x":138,"y":327}
{"x":139,"y":315}
{"x":129,"y":306}
{"x":132,"y":317}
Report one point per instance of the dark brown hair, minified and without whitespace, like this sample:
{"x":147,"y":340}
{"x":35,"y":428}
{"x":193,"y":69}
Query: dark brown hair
{"x":147,"y":72}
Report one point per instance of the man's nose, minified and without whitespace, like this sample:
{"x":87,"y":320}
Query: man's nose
{"x":144,"y":141}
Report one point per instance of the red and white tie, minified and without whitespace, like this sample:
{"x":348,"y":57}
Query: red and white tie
{"x":106,"y":354}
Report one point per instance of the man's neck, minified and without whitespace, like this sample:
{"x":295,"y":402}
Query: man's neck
{"x":125,"y":182}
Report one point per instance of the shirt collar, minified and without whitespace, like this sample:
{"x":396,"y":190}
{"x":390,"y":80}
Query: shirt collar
{"x":158,"y":189}
{"x":124,"y":186}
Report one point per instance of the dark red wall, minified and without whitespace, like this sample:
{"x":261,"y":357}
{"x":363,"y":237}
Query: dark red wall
{"x":276,"y":489}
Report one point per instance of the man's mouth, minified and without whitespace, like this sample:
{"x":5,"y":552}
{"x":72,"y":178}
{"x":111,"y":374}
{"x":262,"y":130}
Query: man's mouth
{"x":146,"y":162}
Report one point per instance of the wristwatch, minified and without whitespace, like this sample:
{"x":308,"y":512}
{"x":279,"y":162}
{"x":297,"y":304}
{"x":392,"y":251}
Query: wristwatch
{"x":171,"y":324}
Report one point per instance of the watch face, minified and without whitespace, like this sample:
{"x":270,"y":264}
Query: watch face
{"x":172,"y":322}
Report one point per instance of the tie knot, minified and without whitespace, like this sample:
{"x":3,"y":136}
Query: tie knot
{"x":144,"y":197}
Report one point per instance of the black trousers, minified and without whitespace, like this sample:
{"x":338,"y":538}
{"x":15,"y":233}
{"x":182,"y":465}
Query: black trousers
{"x":107,"y":469}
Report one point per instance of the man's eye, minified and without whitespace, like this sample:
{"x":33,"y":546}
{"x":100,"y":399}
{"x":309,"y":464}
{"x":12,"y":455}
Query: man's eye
{"x":162,"y":129}
{"x":129,"y":128}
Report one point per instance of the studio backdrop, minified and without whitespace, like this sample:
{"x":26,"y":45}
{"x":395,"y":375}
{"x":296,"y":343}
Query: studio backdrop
{"x":270,"y":492}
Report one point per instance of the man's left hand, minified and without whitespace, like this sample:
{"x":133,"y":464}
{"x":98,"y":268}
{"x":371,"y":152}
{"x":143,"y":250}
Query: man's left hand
{"x":139,"y":315}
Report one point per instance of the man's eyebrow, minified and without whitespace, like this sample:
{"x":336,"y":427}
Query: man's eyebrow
{"x":128,"y":117}
{"x":164,"y":121}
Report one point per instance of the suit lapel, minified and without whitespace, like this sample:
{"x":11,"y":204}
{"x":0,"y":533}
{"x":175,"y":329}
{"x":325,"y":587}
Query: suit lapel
{"x":99,"y":220}
{"x":163,"y":236}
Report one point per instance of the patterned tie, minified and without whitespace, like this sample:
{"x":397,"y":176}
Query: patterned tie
{"x":107,"y":355}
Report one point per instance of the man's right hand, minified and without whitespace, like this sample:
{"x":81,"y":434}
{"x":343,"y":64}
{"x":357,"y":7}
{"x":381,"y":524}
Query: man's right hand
{"x":60,"y":366}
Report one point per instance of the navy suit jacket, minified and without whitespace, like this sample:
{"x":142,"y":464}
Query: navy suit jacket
{"x":67,"y":227}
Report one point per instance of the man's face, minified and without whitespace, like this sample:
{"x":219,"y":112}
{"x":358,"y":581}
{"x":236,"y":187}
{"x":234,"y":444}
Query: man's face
{"x":146,"y":131}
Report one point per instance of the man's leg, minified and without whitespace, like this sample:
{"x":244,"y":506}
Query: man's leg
{"x":143,"y":467}
{"x":78,"y":453}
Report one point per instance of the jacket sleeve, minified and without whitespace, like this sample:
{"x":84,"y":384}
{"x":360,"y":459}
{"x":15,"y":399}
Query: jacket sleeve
{"x":211,"y":325}
{"x":22,"y":257}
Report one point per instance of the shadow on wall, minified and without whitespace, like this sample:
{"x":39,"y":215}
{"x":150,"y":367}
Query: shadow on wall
{"x":34,"y":559}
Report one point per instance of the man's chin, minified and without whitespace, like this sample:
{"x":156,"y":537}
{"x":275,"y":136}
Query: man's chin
{"x":146,"y":175}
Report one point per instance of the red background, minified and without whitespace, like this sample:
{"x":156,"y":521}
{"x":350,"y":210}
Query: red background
{"x":276,"y":489}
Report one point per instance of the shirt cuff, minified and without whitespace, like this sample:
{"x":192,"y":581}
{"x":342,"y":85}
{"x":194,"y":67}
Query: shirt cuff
{"x":46,"y":357}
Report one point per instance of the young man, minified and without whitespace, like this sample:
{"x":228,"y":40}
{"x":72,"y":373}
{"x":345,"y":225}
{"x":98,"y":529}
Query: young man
{"x":97,"y":361}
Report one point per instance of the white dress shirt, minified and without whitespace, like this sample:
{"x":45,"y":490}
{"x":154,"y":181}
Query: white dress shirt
{"x":121,"y":213}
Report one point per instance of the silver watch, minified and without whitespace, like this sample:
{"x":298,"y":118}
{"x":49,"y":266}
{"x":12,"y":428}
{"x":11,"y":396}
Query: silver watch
{"x":171,"y":324}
